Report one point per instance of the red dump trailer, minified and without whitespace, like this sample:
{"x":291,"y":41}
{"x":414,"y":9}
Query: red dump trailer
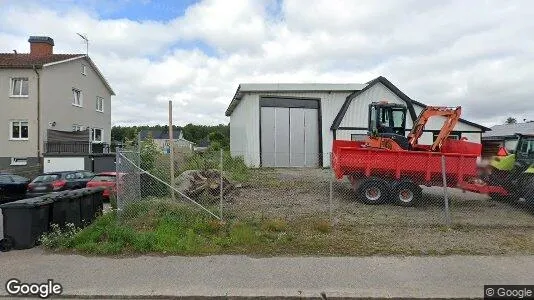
{"x":378,"y":175}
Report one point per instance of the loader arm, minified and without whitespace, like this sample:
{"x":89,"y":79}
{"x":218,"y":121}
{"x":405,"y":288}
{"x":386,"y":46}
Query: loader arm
{"x":452,"y":114}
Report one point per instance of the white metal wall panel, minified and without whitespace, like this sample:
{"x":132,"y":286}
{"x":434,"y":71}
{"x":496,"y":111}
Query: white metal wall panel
{"x":357,"y":114}
{"x":268,"y":136}
{"x":55,"y":164}
{"x":244,"y":130}
{"x":435,"y":123}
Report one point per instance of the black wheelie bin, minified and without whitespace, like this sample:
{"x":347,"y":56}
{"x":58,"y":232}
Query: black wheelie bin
{"x":87,"y":211}
{"x":24,"y":222}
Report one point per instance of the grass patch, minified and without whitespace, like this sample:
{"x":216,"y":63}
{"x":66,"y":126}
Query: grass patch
{"x":170,"y":228}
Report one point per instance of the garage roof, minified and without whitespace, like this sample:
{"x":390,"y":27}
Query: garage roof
{"x":290,"y":87}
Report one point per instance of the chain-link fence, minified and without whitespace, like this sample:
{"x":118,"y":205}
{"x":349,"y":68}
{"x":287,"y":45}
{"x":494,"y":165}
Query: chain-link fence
{"x":146,"y":180}
{"x":358,"y":190}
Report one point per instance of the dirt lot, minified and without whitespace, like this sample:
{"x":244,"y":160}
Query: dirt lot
{"x":480,"y":225}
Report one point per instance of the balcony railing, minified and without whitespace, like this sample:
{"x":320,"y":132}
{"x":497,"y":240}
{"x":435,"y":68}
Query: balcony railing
{"x":76,"y":148}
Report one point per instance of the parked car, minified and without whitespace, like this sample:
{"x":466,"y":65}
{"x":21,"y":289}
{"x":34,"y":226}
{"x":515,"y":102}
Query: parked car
{"x":12,"y":187}
{"x":58,"y":181}
{"x":107,"y":180}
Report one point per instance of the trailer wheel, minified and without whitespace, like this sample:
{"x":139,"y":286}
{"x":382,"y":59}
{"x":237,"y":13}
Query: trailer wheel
{"x":407,"y":193}
{"x":500,"y":198}
{"x":374,"y":191}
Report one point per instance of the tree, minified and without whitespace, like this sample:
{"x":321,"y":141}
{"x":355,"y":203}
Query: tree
{"x":149,"y":153}
{"x":510,"y":120}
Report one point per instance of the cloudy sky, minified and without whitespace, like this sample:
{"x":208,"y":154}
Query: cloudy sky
{"x":477,"y":54}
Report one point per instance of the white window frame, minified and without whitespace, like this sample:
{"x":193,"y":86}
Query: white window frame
{"x":93,"y":135}
{"x":76,"y":127}
{"x":11,"y":137}
{"x":19,"y":161}
{"x":80,"y":99}
{"x":101,"y":100}
{"x":84,"y":70}
{"x":12,"y":84}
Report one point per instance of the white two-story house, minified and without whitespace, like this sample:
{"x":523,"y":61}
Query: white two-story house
{"x":43,"y":92}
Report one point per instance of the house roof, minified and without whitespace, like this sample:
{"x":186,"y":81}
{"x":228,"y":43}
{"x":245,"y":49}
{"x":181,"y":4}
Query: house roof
{"x":289,"y":87}
{"x":26,"y":61}
{"x":508,"y":130}
{"x":160,"y":134}
{"x":205,"y":142}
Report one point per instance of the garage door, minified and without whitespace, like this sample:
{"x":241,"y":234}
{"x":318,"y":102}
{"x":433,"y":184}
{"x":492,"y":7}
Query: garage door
{"x":289,"y":136}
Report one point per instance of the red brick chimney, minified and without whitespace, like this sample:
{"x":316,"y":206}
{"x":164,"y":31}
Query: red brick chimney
{"x":41,"y":46}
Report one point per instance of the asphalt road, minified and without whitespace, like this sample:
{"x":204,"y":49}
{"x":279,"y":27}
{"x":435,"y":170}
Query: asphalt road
{"x":451,"y":276}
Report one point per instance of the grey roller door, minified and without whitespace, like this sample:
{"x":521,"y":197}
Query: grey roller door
{"x":289,"y":137}
{"x":296,"y":137}
{"x":275,"y":136}
{"x":311,"y":136}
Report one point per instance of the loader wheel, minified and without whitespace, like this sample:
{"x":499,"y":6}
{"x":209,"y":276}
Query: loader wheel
{"x":406,"y":193}
{"x":374,"y":191}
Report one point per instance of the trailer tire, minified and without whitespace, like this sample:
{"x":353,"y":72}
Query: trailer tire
{"x":407,"y":193}
{"x":374,"y":191}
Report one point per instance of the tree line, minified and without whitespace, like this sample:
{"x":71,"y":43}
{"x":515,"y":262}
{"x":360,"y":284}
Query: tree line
{"x":219,"y":134}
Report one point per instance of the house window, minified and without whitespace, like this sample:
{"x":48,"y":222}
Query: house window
{"x":84,"y":68}
{"x":96,"y":135}
{"x":100,"y":104}
{"x":77,"y":97}
{"x":76,"y":127}
{"x":19,"y":87}
{"x":358,"y":137}
{"x":455,"y":135}
{"x":18,"y":130}
{"x":19,"y":161}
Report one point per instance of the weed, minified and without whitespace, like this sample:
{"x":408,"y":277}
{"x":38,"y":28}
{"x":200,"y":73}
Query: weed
{"x":323,"y":226}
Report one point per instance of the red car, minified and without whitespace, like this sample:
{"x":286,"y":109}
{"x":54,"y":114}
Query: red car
{"x":107,"y":180}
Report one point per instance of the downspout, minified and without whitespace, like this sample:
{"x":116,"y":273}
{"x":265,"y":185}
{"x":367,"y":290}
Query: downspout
{"x":38,"y":117}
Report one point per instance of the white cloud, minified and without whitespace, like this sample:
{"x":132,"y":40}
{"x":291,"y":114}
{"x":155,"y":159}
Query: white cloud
{"x":471,"y":53}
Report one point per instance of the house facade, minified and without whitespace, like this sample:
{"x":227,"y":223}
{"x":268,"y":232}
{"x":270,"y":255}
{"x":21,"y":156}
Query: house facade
{"x":504,"y":135}
{"x":294,"y":125}
{"x":42,"y":91}
{"x":161,"y":138}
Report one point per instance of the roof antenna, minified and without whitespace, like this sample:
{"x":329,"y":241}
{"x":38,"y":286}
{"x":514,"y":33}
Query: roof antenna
{"x":86,"y":40}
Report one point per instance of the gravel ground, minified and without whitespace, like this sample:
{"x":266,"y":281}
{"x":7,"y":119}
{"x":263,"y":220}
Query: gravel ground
{"x":480,"y":225}
{"x":293,"y":193}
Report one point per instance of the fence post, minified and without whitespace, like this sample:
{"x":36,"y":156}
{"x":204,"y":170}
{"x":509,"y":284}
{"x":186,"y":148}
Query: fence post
{"x":118,"y":169}
{"x":221,"y":167}
{"x":330,"y":208}
{"x":445,"y":194}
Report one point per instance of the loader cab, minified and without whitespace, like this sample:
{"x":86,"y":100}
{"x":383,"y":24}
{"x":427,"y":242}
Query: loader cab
{"x":387,"y":118}
{"x":524,"y":151}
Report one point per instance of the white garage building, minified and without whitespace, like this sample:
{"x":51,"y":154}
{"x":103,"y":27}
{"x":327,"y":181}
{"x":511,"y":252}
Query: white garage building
{"x":293,"y":125}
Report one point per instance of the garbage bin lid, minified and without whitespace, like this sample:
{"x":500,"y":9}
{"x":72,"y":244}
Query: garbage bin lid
{"x":27,"y":203}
